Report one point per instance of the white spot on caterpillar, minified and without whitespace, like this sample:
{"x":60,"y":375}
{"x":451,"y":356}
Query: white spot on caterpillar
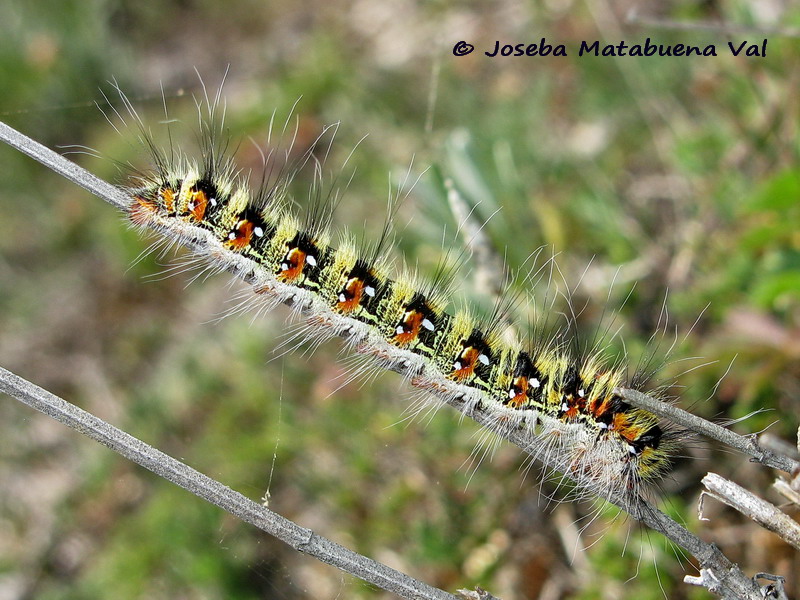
{"x":342,"y":297}
{"x":535,"y":383}
{"x":399,"y":330}
{"x":564,"y":407}
{"x":212,"y":201}
{"x":428,"y":325}
{"x":284,"y":267}
{"x":369,"y":291}
{"x":484,"y":359}
{"x":512,"y":393}
{"x":631,"y":449}
{"x":232,"y":235}
{"x":581,"y":393}
{"x":310,"y":259}
{"x":259,"y":232}
{"x":457,"y":365}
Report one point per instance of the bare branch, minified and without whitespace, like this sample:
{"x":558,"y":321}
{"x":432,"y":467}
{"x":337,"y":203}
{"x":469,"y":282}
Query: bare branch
{"x":66,"y":168}
{"x":747,"y":444}
{"x":762,"y":512}
{"x":476,"y":594}
{"x":786,"y":490}
{"x":489,"y":268}
{"x":301,"y":539}
{"x":777,"y":445}
{"x":776,"y":588}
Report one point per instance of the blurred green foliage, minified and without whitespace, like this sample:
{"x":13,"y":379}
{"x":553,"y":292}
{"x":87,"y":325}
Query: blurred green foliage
{"x":665,"y":176}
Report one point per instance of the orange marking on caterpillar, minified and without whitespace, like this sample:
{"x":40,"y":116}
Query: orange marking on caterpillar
{"x":571,"y":412}
{"x":620,"y":424}
{"x":429,"y":385}
{"x":264,"y":289}
{"x":240,"y":236}
{"x":518,"y":393}
{"x":142,"y":210}
{"x":167,"y":197}
{"x":292,"y":264}
{"x":632,"y":432}
{"x":603,"y":407}
{"x":350,"y":297}
{"x":408,"y":330}
{"x":320,"y":321}
{"x":577,"y":406}
{"x":197,"y":205}
{"x":465,"y":364}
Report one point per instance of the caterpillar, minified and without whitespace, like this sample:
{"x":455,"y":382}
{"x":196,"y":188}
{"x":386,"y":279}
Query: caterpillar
{"x":563,"y":404}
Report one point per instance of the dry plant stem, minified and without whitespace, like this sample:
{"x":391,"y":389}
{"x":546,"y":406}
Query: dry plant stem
{"x":775,"y":589}
{"x":103,"y":190}
{"x":785,"y":489}
{"x":762,"y":512}
{"x":476,"y":594}
{"x":299,"y":538}
{"x":727,"y":580}
{"x":747,"y":444}
{"x":489,"y":269}
{"x":777,"y":445}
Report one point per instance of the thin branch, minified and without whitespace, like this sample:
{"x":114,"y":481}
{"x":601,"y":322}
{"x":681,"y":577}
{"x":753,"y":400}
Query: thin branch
{"x":489,"y":268}
{"x":729,"y":581}
{"x":66,"y":168}
{"x":785,"y":489}
{"x":775,"y":589}
{"x":762,"y":512}
{"x":476,"y":594}
{"x":747,"y":444}
{"x":778,"y":445}
{"x":301,"y":539}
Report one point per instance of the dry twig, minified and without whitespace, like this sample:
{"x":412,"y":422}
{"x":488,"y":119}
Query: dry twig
{"x":489,"y":269}
{"x":762,"y":512}
{"x":747,"y":444}
{"x":301,"y":539}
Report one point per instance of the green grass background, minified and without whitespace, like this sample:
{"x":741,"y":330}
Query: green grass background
{"x":669,"y":174}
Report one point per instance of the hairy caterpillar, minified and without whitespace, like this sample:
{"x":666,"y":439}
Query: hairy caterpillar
{"x":565,"y":405}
